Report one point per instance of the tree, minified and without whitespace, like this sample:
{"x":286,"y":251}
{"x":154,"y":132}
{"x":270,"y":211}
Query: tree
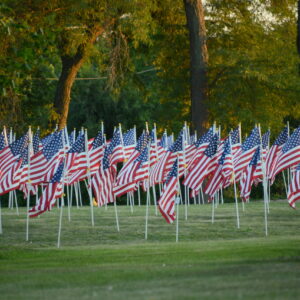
{"x":198,"y":63}
{"x":72,"y":28}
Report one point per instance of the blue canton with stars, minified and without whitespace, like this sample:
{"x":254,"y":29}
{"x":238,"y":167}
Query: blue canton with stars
{"x":211,"y":150}
{"x":256,"y":157}
{"x":72,"y":138}
{"x":142,"y":142}
{"x":36,"y":142}
{"x":143,"y":157}
{"x":293,"y":141}
{"x":282,"y":138}
{"x":53,"y":146}
{"x":226,"y":151}
{"x":58,"y":174}
{"x":18,"y":146}
{"x":265,"y":139}
{"x":173,"y":172}
{"x":235,"y":136}
{"x":79,"y":145}
{"x":115,"y":141}
{"x":177,"y":145}
{"x":163,"y":141}
{"x":98,"y":141}
{"x":2,"y":141}
{"x":205,"y":138}
{"x":252,"y":140}
{"x":129,"y":137}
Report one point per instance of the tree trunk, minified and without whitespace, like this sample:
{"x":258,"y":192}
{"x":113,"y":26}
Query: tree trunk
{"x":298,"y":34}
{"x":199,"y":63}
{"x":70,"y":67}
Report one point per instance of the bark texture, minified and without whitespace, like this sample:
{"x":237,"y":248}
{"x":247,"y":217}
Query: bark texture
{"x":70,"y":67}
{"x":199,"y":63}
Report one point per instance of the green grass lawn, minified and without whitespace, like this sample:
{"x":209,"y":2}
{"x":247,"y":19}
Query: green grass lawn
{"x":211,"y":261}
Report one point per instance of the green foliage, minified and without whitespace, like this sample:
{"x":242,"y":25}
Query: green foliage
{"x":253,"y":63}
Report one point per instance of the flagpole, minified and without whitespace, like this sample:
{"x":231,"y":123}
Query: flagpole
{"x":264,"y":184}
{"x":139,"y":195}
{"x":235,"y":192}
{"x":177,"y":199}
{"x":213,"y":210}
{"x":116,"y":214}
{"x":148,"y":192}
{"x":60,"y":219}
{"x":89,"y":178}
{"x":186,"y":203}
{"x":1,"y":230}
{"x":16,"y":202}
{"x":28,"y":183}
{"x":147,"y":212}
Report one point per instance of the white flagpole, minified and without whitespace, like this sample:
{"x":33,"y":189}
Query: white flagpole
{"x":116,"y":213}
{"x":264,"y":184}
{"x":148,"y":193}
{"x":147,"y":213}
{"x":186,"y":202}
{"x":235,"y":192}
{"x":213,"y":211}
{"x":1,"y":230}
{"x":177,"y":201}
{"x":154,"y":198}
{"x":177,"y":218}
{"x":28,"y":182}
{"x":202,"y":194}
{"x":60,"y":220}
{"x":156,"y":154}
{"x":16,"y":202}
{"x":139,"y":196}
{"x":89,"y":178}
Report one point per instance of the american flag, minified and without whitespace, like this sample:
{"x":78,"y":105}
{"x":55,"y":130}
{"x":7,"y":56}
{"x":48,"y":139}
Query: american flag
{"x":45,"y":162}
{"x":3,"y":142}
{"x":116,"y":145}
{"x":294,"y":188}
{"x":166,"y":203}
{"x":272,"y":156}
{"x":250,"y":175}
{"x":127,"y":173}
{"x":153,"y":148}
{"x":36,"y":142}
{"x":194,"y":152}
{"x":289,"y":155}
{"x":162,"y":145}
{"x":199,"y":172}
{"x":139,"y":171}
{"x":129,"y":141}
{"x":103,"y":180}
{"x":222,"y":172}
{"x":80,"y":170}
{"x":72,"y":138}
{"x":247,"y":151}
{"x":265,"y":141}
{"x":72,"y":154}
{"x":162,"y":168}
{"x":53,"y":191}
{"x":10,"y":154}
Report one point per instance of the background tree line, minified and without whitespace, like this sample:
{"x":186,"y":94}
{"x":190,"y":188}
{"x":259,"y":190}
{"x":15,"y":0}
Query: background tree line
{"x":144,"y":58}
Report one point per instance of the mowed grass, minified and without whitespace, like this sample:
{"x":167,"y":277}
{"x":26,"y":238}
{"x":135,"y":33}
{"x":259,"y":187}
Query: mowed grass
{"x":210,"y":261}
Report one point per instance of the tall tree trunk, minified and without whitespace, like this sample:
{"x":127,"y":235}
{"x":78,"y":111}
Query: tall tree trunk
{"x":298,"y":34}
{"x":70,"y":67}
{"x":199,"y":63}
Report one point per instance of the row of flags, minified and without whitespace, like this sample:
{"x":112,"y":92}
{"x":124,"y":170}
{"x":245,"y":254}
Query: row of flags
{"x":124,"y":164}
